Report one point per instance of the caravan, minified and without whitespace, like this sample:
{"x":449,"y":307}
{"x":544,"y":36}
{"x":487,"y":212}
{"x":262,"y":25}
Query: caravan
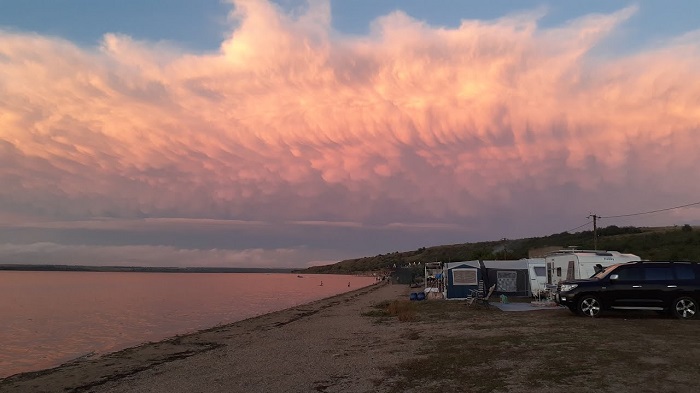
{"x":537,"y":270}
{"x":575,"y":264}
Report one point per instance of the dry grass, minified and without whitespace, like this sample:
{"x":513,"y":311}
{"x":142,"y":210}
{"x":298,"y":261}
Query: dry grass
{"x":404,"y":311}
{"x":468,"y":349}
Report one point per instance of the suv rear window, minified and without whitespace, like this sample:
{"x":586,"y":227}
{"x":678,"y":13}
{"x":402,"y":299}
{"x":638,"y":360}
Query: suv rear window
{"x":658,"y":273}
{"x":684,"y":271}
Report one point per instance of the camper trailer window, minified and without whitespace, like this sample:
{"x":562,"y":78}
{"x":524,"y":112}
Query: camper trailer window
{"x":558,"y":272}
{"x":540,"y":271}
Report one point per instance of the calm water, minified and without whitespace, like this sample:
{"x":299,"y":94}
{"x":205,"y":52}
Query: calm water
{"x":48,"y":318}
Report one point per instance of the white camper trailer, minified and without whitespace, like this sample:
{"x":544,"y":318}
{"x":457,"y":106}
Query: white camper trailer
{"x":537,"y":271}
{"x":574,"y":264}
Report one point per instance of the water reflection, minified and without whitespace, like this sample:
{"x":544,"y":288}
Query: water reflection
{"x":47,"y":318}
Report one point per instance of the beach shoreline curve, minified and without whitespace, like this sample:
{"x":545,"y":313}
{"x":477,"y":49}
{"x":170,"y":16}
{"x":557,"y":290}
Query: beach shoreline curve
{"x":92,"y":373}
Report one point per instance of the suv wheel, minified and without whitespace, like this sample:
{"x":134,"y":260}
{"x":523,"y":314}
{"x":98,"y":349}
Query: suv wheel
{"x":589,"y":306}
{"x":685,"y":308}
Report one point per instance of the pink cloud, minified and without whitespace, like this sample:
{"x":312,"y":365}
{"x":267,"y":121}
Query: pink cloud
{"x":293,"y":121}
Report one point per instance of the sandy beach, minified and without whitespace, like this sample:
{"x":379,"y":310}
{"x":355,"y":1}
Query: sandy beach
{"x":323,"y":346}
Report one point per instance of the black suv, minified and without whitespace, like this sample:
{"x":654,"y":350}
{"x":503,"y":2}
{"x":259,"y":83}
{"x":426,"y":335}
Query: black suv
{"x":662,"y":286}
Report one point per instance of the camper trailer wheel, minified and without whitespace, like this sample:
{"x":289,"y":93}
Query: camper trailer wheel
{"x":589,"y":306}
{"x":685,"y":308}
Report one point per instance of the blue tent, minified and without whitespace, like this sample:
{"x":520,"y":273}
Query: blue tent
{"x":462,"y":278}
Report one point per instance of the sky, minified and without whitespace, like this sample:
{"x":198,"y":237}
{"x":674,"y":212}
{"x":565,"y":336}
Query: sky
{"x":292,"y":133}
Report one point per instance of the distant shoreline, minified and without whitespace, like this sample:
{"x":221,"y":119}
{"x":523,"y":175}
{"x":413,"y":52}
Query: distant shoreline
{"x":141,"y":269}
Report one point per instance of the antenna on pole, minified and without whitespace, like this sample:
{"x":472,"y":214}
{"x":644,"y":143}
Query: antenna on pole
{"x":595,"y":230}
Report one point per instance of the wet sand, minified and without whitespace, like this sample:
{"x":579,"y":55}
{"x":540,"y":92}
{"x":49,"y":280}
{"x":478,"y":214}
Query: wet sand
{"x":325,"y":346}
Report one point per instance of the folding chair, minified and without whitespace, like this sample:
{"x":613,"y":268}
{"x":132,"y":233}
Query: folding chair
{"x":476,"y":294}
{"x":485,"y":300}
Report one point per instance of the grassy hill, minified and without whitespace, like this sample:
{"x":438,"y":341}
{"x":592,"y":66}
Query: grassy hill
{"x":667,"y":243}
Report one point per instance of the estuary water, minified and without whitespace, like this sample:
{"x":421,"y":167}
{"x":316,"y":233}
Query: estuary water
{"x":49,"y":318}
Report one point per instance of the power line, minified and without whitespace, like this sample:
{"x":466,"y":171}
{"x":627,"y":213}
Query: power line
{"x":580,"y":226}
{"x":629,"y":215}
{"x":652,"y":211}
{"x":634,"y":214}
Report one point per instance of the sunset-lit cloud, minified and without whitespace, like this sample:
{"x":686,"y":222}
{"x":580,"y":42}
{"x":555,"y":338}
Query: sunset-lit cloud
{"x":159,"y":256}
{"x":497,"y":128}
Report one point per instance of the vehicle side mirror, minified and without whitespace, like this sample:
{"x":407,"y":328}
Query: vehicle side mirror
{"x":614,"y":277}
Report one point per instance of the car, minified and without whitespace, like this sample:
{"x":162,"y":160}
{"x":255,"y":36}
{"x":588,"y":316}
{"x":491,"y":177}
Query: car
{"x":665,"y":287}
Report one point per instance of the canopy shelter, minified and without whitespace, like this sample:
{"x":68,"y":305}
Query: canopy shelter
{"x":461,"y":278}
{"x":511,"y":277}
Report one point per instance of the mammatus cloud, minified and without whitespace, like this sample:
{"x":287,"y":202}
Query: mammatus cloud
{"x":500,"y":126}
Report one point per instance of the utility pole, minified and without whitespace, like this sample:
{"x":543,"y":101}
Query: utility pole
{"x":595,"y":231}
{"x":505,"y":249}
